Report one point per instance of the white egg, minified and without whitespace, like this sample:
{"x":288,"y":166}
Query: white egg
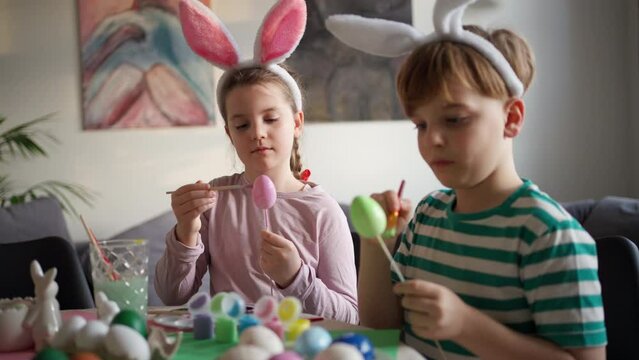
{"x":262,"y":337}
{"x":245,"y":352}
{"x":340,"y":351}
{"x":91,"y":336}
{"x":64,"y":338}
{"x":126,"y":343}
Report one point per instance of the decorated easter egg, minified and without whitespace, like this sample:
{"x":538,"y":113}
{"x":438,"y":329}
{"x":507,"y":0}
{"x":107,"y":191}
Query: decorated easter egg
{"x":296,"y":328}
{"x":64,"y":339}
{"x":263,"y":192}
{"x":216,"y":302}
{"x":361,"y":342}
{"x":287,"y":355}
{"x":340,"y":351}
{"x":85,"y":356}
{"x":132,"y":319}
{"x":368,"y":216}
{"x":233,"y":305}
{"x":50,"y":354}
{"x":247,"y":321}
{"x":125,"y":342}
{"x":91,"y":336}
{"x":262,"y":337}
{"x":266,"y":308}
{"x":245,"y":352}
{"x":289,"y":309}
{"x":199,"y":303}
{"x":276,"y":326}
{"x":312,"y":341}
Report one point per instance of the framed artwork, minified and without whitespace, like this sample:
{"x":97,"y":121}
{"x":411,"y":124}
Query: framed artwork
{"x":137,"y":70}
{"x":342,"y":83}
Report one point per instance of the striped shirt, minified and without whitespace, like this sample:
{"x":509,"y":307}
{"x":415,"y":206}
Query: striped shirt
{"x":526,"y":263}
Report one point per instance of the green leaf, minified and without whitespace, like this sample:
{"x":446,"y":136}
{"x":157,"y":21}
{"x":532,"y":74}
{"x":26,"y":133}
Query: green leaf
{"x":65,"y":193}
{"x":25,"y":139}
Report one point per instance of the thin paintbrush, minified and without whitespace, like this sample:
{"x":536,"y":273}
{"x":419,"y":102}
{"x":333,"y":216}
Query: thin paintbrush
{"x":223,"y":187}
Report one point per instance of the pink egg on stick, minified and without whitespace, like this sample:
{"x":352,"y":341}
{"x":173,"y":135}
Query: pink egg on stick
{"x":264,"y":195}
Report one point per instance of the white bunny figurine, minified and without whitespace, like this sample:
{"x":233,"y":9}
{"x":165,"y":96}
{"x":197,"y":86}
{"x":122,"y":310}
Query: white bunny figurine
{"x":107,"y":309}
{"x":43,"y":318}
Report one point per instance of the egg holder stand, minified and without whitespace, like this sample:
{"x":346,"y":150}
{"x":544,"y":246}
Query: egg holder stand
{"x":13,"y":336}
{"x":209,"y":342}
{"x":385,"y":342}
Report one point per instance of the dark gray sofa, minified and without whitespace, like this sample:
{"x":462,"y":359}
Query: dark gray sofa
{"x":606,"y":217}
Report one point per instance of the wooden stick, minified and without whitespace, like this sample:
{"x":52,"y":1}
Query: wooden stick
{"x":402,"y":278}
{"x":222,"y":188}
{"x":390,"y":258}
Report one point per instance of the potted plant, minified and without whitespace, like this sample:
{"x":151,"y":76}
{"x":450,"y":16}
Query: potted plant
{"x":26,"y":141}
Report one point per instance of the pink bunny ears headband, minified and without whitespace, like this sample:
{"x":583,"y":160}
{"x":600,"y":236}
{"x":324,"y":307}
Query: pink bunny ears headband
{"x":276,"y":40}
{"x":391,"y":39}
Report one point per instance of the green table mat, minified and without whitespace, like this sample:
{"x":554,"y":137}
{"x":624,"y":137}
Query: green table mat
{"x":384,"y":341}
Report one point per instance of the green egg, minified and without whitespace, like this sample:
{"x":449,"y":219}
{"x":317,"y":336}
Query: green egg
{"x":368,"y":217}
{"x":216,"y":302}
{"x":132,"y":319}
{"x":50,"y":354}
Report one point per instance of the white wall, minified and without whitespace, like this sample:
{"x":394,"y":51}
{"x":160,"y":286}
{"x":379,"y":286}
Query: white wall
{"x":577,"y":141}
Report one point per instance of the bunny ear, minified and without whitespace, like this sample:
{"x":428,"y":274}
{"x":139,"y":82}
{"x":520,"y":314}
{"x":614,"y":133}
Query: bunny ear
{"x":447,"y":16}
{"x":50,"y":275}
{"x":207,"y":35}
{"x":374,"y":36}
{"x":36,"y":270}
{"x":280,"y":32}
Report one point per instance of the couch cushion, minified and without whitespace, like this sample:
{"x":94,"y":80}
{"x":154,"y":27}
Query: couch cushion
{"x":580,"y":209}
{"x":35,"y":219}
{"x":612,"y":216}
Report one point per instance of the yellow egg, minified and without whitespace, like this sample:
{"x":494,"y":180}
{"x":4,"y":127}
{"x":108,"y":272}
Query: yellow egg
{"x":289,"y":309}
{"x":296,"y":328}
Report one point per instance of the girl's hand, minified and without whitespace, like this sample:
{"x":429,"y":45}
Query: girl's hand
{"x":390,"y":203}
{"x":188,"y":203}
{"x":279,"y":258}
{"x":434,"y":311}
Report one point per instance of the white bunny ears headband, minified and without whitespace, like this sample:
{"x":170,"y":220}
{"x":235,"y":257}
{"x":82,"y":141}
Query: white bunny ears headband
{"x":276,"y":40}
{"x":391,"y":39}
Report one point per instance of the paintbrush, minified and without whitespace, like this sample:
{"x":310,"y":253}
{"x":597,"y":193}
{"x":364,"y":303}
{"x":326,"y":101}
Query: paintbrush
{"x":112,"y":272}
{"x":223,"y":187}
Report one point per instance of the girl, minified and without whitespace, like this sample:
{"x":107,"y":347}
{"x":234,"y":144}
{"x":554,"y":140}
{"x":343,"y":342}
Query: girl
{"x":495,"y":268}
{"x":308,"y":252}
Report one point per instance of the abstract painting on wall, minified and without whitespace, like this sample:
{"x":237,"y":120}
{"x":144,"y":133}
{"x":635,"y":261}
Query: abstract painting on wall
{"x":342,"y":83}
{"x":137,"y":70}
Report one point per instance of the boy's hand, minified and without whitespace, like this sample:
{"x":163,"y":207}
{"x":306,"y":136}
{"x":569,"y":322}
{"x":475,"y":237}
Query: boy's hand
{"x":188,"y":203}
{"x":434,"y":311}
{"x":279,"y":258}
{"x":390,"y":203}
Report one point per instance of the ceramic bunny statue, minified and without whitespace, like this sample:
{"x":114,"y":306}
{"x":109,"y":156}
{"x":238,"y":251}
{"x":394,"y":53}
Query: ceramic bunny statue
{"x":43,"y":318}
{"x":107,"y":309}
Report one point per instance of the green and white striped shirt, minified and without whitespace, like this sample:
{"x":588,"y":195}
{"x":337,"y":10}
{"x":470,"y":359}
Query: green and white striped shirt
{"x":527,"y":264}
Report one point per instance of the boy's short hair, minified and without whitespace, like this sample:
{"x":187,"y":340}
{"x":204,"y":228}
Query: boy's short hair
{"x":430,"y":67}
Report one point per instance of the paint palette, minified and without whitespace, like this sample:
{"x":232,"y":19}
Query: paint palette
{"x":177,"y":322}
{"x":184,"y":322}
